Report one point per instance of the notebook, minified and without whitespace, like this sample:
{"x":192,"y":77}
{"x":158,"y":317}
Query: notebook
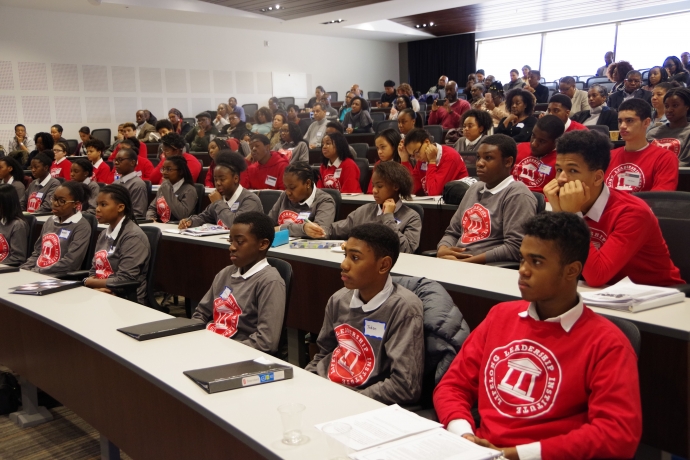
{"x":239,"y":375}
{"x":163,"y":328}
{"x":45,"y":287}
{"x":315,"y":244}
{"x":628,"y":296}
{"x":204,"y":230}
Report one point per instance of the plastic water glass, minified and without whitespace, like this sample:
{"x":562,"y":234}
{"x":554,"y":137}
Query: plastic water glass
{"x":338,"y":436}
{"x":291,"y":415}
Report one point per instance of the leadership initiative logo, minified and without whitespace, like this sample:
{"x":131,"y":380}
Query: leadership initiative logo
{"x":34,"y":202}
{"x":354,"y":360}
{"x":628,"y":177}
{"x":50,"y":250}
{"x":4,"y":248}
{"x":163,"y":209}
{"x":226,"y":315}
{"x":221,"y":224}
{"x":598,"y":237}
{"x":288,"y":216}
{"x":424,"y":184}
{"x":668,"y":143}
{"x":476,"y":224}
{"x":330,"y":181}
{"x":522,"y":379}
{"x":527,"y":171}
{"x":102,"y":264}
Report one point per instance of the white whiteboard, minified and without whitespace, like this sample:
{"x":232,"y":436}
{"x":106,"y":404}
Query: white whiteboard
{"x":288,"y":84}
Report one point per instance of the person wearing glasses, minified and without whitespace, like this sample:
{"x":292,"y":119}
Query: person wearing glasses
{"x":176,"y":198}
{"x":125,"y":166}
{"x":65,"y":236}
{"x":61,"y":166}
{"x":172,"y":144}
{"x":39,"y":192}
{"x":632,"y":88}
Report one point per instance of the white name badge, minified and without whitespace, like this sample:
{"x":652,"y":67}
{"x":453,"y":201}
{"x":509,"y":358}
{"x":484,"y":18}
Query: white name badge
{"x":304,"y":215}
{"x":545,"y":169}
{"x":520,"y":125}
{"x":138,"y":173}
{"x":374,"y":329}
{"x":64,"y":233}
{"x":235,"y":206}
{"x":226,"y":293}
{"x":337,"y":173}
{"x":424,"y":166}
{"x":39,"y":195}
{"x":271,"y":181}
{"x":319,"y":134}
{"x":631,"y":179}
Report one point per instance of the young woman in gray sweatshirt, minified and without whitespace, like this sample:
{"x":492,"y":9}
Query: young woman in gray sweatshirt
{"x":14,"y":230}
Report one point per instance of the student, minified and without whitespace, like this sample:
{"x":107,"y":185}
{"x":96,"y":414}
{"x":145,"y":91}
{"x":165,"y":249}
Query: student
{"x":407,"y":121}
{"x":180,"y":126}
{"x":40,"y":191}
{"x":358,"y":120}
{"x":631,"y":89}
{"x":388,"y":97}
{"x":85,"y":136}
{"x":316,"y":130}
{"x":535,"y":164}
{"x":372,"y":338}
{"x":266,"y":170}
{"x":675,"y":134}
{"x":125,"y":166}
{"x":386,"y":142}
{"x":436,"y":164}
{"x":640,"y":166}
{"x":579,"y":397}
{"x":449,"y":114}
{"x":560,"y":106}
{"x":119,"y":138}
{"x":476,"y":125}
{"x":246,"y":301}
{"x":43,"y":142}
{"x":230,"y":198}
{"x":61,"y":166}
{"x":144,"y":167}
{"x":12,"y":173}
{"x":215,"y":147}
{"x":392,"y":184}
{"x":129,"y":132}
{"x":176,"y":198}
{"x":626,"y":238}
{"x":520,"y":122}
{"x":301,"y":200}
{"x":14,"y":230}
{"x":599,"y":113}
{"x":82,"y":171}
{"x":172,"y":144}
{"x":56,"y":131}
{"x":487,"y":227}
{"x":657,"y":102}
{"x":65,"y":236}
{"x":338,"y":168}
{"x":122,"y":250}
{"x":94,"y":152}
{"x":292,"y":146}
{"x":262,"y":118}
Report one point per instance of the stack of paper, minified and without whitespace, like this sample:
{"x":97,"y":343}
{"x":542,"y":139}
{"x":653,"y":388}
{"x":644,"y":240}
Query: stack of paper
{"x":628,"y":296}
{"x":393,"y":433}
{"x":315,"y":244}
{"x":204,"y":230}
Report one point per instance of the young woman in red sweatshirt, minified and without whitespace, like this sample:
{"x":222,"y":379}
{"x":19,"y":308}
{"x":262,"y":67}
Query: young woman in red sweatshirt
{"x":267,"y":167}
{"x":338,"y":168}
{"x":387,"y":142}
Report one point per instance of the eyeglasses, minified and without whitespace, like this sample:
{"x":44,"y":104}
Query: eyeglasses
{"x":58,"y":150}
{"x":169,"y":169}
{"x":120,"y":160}
{"x":60,"y":201}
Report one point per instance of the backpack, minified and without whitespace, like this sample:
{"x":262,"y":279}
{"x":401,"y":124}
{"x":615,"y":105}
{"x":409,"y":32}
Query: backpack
{"x":454,"y":191}
{"x":10,"y":393}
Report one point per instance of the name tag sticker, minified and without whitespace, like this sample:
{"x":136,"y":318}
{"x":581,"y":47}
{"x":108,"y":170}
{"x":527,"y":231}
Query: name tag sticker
{"x":64,"y":233}
{"x":374,"y":329}
{"x":319,"y":134}
{"x":39,"y":195}
{"x":271,"y":181}
{"x":545,"y":169}
{"x":337,"y":173}
{"x":304,"y":215}
{"x":631,"y":179}
{"x":226,"y":293}
{"x":235,"y":206}
{"x":138,"y":173}
{"x":520,"y":125}
{"x":424,"y":166}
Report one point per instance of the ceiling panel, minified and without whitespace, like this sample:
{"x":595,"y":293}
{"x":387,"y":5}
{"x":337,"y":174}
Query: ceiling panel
{"x":293,"y":9}
{"x":501,"y":14}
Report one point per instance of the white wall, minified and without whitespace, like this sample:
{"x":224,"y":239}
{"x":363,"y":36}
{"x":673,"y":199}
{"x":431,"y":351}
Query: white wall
{"x":80,"y":70}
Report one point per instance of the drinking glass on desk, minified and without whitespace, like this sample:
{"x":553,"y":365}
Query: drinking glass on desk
{"x":338,"y":436}
{"x":291,"y":415}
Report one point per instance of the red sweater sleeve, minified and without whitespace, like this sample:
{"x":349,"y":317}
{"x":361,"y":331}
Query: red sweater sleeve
{"x":156,"y":175}
{"x":66,"y":169}
{"x":245,"y":179}
{"x":194,"y":166}
{"x":629,"y":235}
{"x":435,"y":117}
{"x":614,"y":411}
{"x":103,"y":173}
{"x":349,"y":180}
{"x":666,"y":174}
{"x":416,"y":177}
{"x":438,"y":176}
{"x":208,"y":182}
{"x":146,"y":168}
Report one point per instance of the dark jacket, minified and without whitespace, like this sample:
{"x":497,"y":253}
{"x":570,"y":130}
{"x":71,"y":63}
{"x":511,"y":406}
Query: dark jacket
{"x":445,"y":330}
{"x":608,"y":117}
{"x":541,"y":92}
{"x":617,"y":98}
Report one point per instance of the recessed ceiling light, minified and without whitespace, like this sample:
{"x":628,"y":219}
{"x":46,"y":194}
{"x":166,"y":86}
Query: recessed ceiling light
{"x":417,"y":26}
{"x":277,"y":7}
{"x":431,"y":23}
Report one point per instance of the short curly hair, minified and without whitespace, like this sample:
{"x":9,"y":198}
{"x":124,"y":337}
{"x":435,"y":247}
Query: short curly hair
{"x":568,"y":231}
{"x":260,"y":225}
{"x":483,"y":119}
{"x":395,"y":175}
{"x":382,"y":240}
{"x":594,"y":148}
{"x":266,"y":112}
{"x":527,"y":98}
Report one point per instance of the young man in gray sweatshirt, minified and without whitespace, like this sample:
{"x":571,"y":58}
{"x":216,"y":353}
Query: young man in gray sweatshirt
{"x":487,"y":227}
{"x":372,"y":338}
{"x":246,"y":301}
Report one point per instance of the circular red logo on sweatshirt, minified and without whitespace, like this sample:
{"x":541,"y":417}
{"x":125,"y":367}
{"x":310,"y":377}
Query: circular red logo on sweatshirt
{"x":668,"y":143}
{"x":4,"y":248}
{"x":102,"y":265}
{"x":34,"y":202}
{"x":627,"y":177}
{"x":353,"y":361}
{"x":522,"y":379}
{"x":163,"y":209}
{"x":329,"y":181}
{"x":50,"y":250}
{"x":598,"y":237}
{"x":476,"y":224}
{"x":527,"y":172}
{"x":226,"y":315}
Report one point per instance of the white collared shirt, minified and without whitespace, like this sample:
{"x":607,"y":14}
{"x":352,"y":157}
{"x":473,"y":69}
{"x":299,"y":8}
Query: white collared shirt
{"x":638,"y":150}
{"x":567,"y":319}
{"x":500,"y":187}
{"x":8,"y":182}
{"x":97,"y":164}
{"x":567,"y":124}
{"x":469,"y":143}
{"x":73,"y":219}
{"x":336,"y":163}
{"x":87,"y":181}
{"x":60,"y":160}
{"x":129,"y":176}
{"x":439,"y":151}
{"x":176,"y":186}
{"x":398,"y":205}
{"x":116,"y":231}
{"x":45,"y":181}
{"x":260,"y":265}
{"x":309,"y":201}
{"x":598,"y":207}
{"x":375,"y":301}
{"x":235,"y":196}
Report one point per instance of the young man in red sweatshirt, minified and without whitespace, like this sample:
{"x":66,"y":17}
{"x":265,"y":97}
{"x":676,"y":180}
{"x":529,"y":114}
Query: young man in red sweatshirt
{"x":94,"y":152}
{"x":266,"y":170}
{"x":560,"y":106}
{"x":626,"y":238}
{"x":553,"y":379}
{"x":130,"y":132}
{"x":640,"y":166}
{"x":173,"y":144}
{"x":436,"y":164}
{"x":535,"y":165}
{"x":449,"y":115}
{"x":144,"y":166}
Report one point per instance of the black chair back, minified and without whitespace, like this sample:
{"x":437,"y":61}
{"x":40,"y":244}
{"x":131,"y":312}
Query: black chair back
{"x":31,"y":222}
{"x":373,"y":95}
{"x":91,"y":249}
{"x":600,"y":129}
{"x":72,"y":144}
{"x":364,"y":173}
{"x":149,"y":188}
{"x":103,"y":135}
{"x":580,"y":85}
{"x":422,"y":106}
{"x":597,"y":81}
{"x":286,"y":101}
{"x":250,"y":109}
{"x":541,"y":201}
{"x":337,"y":197}
{"x":436,"y":133}
{"x":630,"y":330}
{"x":378,"y":116}
{"x":285,"y":270}
{"x":154,"y":236}
{"x":304,"y":124}
{"x":190,"y":121}
{"x":200,"y":194}
{"x":387,"y":124}
{"x":674,"y":205}
{"x":361,"y":149}
{"x":416,"y":207}
{"x":334,"y":95}
{"x":60,"y":179}
{"x":268,"y":198}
